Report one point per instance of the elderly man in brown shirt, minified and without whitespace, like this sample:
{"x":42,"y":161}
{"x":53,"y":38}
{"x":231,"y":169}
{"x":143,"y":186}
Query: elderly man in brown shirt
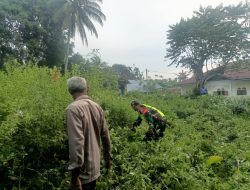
{"x":87,"y":129}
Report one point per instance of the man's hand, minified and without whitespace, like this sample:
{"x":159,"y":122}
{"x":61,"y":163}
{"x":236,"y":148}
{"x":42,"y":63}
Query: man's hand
{"x":75,"y":184}
{"x":151,"y":132}
{"x":75,"y":181}
{"x":108,"y":163}
{"x":132,"y":128}
{"x":135,"y":124}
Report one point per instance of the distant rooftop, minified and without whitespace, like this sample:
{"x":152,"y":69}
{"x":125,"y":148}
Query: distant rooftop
{"x":238,"y":75}
{"x":235,"y":75}
{"x":137,"y":85}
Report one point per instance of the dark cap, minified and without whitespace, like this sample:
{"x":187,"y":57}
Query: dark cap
{"x":134,"y":103}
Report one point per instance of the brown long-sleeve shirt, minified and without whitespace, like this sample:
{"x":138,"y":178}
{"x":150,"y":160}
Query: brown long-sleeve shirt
{"x":86,"y":128}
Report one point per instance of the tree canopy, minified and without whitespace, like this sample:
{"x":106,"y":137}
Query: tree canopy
{"x":220,"y":33}
{"x":28,"y":33}
{"x":41,"y":30}
{"x":78,"y":14}
{"x":127,"y":72}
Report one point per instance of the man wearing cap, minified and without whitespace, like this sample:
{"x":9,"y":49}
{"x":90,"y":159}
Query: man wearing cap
{"x":154,"y":117}
{"x":122,"y":85}
{"x":87,"y":130}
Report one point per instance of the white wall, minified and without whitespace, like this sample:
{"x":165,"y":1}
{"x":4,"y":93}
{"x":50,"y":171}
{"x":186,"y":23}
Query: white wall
{"x":240,"y":84}
{"x":212,"y":86}
{"x":228,"y":85}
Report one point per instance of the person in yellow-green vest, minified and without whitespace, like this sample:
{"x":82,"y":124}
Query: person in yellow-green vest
{"x":154,"y":117}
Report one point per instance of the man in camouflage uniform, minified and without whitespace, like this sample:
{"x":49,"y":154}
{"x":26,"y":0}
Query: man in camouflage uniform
{"x":154,"y":117}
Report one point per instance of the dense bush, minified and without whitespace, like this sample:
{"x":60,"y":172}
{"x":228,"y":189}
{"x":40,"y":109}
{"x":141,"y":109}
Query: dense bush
{"x":205,"y":147}
{"x":32,"y":135}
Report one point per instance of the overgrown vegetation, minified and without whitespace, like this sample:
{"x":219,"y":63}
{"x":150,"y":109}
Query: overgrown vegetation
{"x":205,"y":147}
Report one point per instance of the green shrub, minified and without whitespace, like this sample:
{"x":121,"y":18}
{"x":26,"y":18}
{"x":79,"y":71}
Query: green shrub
{"x":34,"y":153}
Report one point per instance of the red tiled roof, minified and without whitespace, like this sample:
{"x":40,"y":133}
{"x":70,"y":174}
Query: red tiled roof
{"x":232,"y":75}
{"x":238,"y":75}
{"x":189,"y":81}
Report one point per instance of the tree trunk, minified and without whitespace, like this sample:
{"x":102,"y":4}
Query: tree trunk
{"x":198,"y":73}
{"x":206,"y":66}
{"x":211,"y":62}
{"x":66,"y":59}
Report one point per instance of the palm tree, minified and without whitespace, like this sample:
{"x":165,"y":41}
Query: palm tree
{"x":78,"y":14}
{"x":183,"y":75}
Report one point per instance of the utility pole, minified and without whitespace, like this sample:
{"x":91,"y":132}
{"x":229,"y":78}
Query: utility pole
{"x":146,"y":74}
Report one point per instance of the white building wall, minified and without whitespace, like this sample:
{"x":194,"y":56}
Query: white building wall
{"x":240,"y":84}
{"x":228,"y":85}
{"x":213,"y":86}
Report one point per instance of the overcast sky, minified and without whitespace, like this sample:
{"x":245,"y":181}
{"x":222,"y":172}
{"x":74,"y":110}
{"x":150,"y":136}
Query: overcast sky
{"x":134,"y":33}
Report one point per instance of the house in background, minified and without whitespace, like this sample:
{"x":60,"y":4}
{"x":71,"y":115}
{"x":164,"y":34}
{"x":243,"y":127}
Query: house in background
{"x":135,"y":85}
{"x":234,"y":83}
{"x":142,"y":86}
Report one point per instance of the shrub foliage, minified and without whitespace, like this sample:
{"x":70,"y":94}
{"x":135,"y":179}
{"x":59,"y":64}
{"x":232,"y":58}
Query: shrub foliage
{"x":205,"y":147}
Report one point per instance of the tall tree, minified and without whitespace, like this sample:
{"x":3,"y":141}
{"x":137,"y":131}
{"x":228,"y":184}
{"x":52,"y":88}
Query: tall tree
{"x":17,"y":31}
{"x":127,"y":72}
{"x":27,"y":32}
{"x":78,"y":14}
{"x":220,"y":33}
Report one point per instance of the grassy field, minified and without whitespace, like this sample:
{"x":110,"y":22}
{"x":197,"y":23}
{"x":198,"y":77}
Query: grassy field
{"x":205,"y":147}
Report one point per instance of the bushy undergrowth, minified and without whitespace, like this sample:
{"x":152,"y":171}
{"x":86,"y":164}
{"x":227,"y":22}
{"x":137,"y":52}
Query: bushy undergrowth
{"x":205,"y":147}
